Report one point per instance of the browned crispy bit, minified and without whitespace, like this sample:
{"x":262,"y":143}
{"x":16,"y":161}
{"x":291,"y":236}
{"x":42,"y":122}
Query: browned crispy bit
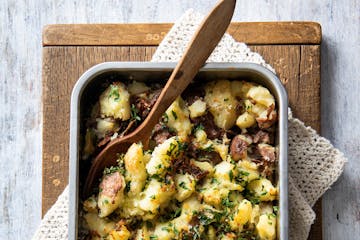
{"x":212,"y":157}
{"x":239,"y":146}
{"x":269,"y":120}
{"x":121,"y":222}
{"x":111,"y":184}
{"x":183,"y":165}
{"x":267,"y":152}
{"x":196,"y":172}
{"x":262,"y":137}
{"x":145,"y":101}
{"x":212,"y":131}
{"x":203,"y":155}
{"x":161,"y":133}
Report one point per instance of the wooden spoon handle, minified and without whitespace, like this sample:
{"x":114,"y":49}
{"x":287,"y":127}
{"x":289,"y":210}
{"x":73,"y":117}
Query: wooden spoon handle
{"x":198,"y":51}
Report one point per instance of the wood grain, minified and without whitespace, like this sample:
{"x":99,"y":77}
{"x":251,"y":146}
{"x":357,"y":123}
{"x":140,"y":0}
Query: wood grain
{"x":62,"y":66}
{"x":152,"y":34}
{"x":298,"y":66}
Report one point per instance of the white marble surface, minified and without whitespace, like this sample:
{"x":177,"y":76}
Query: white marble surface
{"x":21,"y":23}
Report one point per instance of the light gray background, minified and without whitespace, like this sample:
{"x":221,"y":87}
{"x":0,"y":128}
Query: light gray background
{"x":21,"y":23}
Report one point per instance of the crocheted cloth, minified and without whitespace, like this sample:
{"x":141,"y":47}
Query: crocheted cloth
{"x":314,"y":164}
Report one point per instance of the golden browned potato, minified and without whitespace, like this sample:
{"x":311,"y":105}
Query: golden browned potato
{"x":222,"y":103}
{"x":99,"y":227}
{"x":263,"y":189}
{"x":266,"y":227}
{"x":114,"y":102}
{"x":178,"y":118}
{"x":135,"y":162}
{"x":261,"y":95}
{"x":197,"y":109}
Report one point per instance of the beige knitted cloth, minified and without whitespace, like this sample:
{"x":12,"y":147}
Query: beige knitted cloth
{"x":314,"y":164}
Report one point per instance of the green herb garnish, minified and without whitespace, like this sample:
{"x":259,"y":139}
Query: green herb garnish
{"x":174,"y":114}
{"x":114,"y":92}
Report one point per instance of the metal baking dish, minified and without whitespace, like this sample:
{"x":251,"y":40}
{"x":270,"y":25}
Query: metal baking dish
{"x":87,"y":90}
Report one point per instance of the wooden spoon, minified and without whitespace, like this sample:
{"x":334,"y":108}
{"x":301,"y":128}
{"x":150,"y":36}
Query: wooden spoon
{"x":199,"y":49}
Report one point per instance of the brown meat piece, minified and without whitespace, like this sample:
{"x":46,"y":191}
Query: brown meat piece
{"x":183,"y":165}
{"x":161,"y":133}
{"x":262,"y":137}
{"x":144,"y":102}
{"x":212,"y":131}
{"x":111,"y":184}
{"x":212,"y":157}
{"x":239,"y":146}
{"x":267,"y":152}
{"x":202,"y":155}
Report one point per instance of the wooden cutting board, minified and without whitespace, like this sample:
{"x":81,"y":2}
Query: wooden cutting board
{"x":292,"y":48}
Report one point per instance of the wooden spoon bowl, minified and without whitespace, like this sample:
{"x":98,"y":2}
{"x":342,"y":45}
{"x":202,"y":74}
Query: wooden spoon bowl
{"x":199,"y":49}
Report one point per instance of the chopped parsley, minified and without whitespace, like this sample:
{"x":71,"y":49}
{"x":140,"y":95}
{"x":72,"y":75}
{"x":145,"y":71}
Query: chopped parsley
{"x":114,"y":92}
{"x":182,"y":146}
{"x":174,"y":114}
{"x":171,"y":149}
{"x":231,"y":175}
{"x":111,"y":170}
{"x":121,"y":163}
{"x":177,"y":213}
{"x":127,"y":187}
{"x":198,"y":127}
{"x":276,"y":210}
{"x":214,"y":180}
{"x":135,"y":113}
{"x":183,"y":185}
{"x":227,"y":203}
{"x":243,"y":173}
{"x":209,"y":148}
{"x":264,"y":193}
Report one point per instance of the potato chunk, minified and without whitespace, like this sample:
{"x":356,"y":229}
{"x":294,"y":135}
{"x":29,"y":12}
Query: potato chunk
{"x":261,"y":95}
{"x":156,"y":194}
{"x":178,"y":118}
{"x":266,"y":227}
{"x":111,"y":193}
{"x":90,"y":205}
{"x":98,"y":226}
{"x":162,"y":156}
{"x":242,"y":215}
{"x":114,"y":102}
{"x":137,"y":87}
{"x":105,"y":126}
{"x":185,"y":185}
{"x":197,"y":109}
{"x":135,"y":168}
{"x":121,"y":234}
{"x":240,"y":88}
{"x":263,"y":189}
{"x":248,"y":170}
{"x":222,"y":103}
{"x":245,"y":120}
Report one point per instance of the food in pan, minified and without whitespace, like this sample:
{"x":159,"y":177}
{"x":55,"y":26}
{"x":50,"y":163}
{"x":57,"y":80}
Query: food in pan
{"x":210,"y":172}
